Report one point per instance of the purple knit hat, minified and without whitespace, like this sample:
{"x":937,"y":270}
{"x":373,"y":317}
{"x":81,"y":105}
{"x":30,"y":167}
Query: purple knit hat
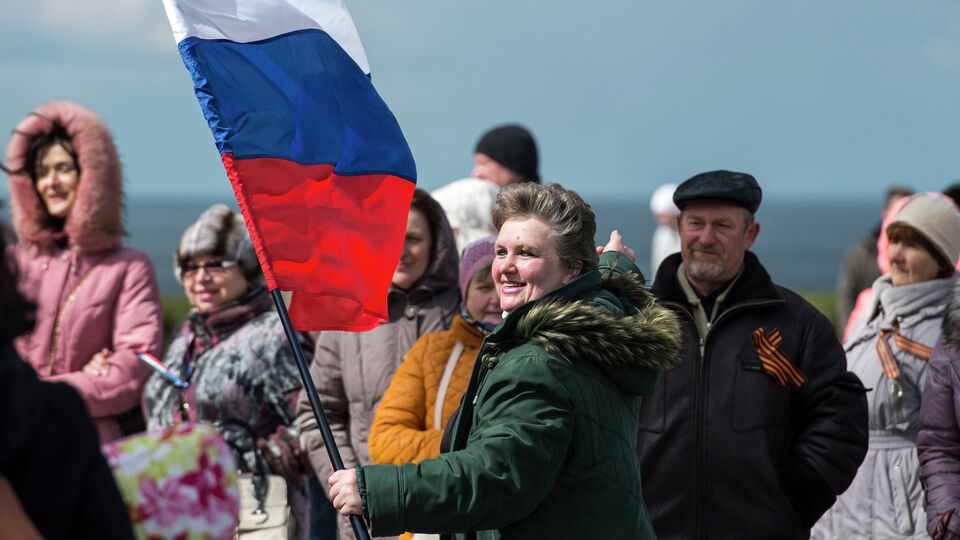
{"x":474,"y":256}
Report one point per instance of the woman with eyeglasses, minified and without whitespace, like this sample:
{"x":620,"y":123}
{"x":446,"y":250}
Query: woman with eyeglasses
{"x":230,"y":359}
{"x":98,"y":301}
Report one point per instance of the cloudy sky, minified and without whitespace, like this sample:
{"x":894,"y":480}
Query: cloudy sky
{"x":818,"y":99}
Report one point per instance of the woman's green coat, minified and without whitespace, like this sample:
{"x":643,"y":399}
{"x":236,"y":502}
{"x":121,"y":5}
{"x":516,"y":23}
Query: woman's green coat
{"x":544,"y":446}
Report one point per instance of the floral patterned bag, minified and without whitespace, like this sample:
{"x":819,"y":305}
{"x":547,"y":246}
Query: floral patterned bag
{"x":177,"y":482}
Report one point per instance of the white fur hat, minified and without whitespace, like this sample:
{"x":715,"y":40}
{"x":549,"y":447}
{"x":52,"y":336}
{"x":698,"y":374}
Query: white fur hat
{"x":219,"y":232}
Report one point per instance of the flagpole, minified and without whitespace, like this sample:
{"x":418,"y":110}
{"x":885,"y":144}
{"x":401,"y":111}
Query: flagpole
{"x":359,"y":529}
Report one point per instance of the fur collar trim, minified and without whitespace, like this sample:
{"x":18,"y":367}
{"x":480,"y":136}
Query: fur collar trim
{"x":648,"y":336}
{"x":96,"y":220}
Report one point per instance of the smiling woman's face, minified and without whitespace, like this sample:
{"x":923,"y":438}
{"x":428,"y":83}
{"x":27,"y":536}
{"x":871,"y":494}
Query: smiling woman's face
{"x":481,"y":299}
{"x":416,"y":251}
{"x":527,"y":264}
{"x":56,"y":180}
{"x":210,"y":285}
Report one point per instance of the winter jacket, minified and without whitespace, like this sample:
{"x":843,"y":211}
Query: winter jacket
{"x":238,"y":363}
{"x":731,"y":450}
{"x":406,"y":426}
{"x":50,"y":454}
{"x":92,"y":293}
{"x":239,"y":366}
{"x":543,"y":446}
{"x":352,"y":370}
{"x":939,"y":437}
{"x":886,"y":498}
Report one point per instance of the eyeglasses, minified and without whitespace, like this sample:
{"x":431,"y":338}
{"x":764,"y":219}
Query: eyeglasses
{"x":213,"y":268}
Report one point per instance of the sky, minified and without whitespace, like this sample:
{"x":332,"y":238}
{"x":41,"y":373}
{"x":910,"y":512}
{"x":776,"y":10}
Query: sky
{"x":819,"y":100}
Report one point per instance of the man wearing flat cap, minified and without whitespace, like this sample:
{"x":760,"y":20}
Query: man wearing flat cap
{"x":761,"y":425}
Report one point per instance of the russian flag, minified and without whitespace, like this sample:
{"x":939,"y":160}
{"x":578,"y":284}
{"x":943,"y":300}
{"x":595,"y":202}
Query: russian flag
{"x":318,"y":163}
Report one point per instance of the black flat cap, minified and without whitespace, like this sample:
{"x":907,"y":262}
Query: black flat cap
{"x":740,"y":189}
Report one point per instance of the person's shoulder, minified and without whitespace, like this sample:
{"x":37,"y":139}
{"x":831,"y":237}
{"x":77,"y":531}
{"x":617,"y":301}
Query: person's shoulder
{"x":441,"y":339}
{"x":130,"y":258}
{"x":528,"y":362}
{"x":129,"y":253}
{"x":799,"y":309}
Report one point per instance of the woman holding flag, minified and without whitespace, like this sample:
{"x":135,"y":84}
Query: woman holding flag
{"x":98,"y":302}
{"x":550,"y":413}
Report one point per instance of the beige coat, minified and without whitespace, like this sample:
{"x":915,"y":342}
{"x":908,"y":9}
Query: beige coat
{"x":352,"y":370}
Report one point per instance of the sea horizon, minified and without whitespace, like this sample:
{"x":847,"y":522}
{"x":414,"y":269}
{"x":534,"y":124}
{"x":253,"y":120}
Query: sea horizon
{"x":802,"y":242}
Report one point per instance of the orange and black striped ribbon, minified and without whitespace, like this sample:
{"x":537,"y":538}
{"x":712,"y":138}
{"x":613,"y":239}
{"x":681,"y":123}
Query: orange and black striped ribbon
{"x":774,"y":361}
{"x":905,"y":344}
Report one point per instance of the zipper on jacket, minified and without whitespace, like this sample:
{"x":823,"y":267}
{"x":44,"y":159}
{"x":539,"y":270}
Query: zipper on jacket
{"x":464,"y":420}
{"x":58,"y":322}
{"x":699,"y":404}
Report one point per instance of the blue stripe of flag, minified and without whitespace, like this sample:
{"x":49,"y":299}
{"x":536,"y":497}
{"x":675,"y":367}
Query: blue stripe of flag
{"x":298,"y":96}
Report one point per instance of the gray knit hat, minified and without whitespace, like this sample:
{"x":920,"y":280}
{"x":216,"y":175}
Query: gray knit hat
{"x":222,"y":233}
{"x":937,"y":219}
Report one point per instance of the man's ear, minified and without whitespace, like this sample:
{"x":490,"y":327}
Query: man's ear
{"x":752,"y":232}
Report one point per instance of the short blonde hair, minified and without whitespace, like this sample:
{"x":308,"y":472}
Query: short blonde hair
{"x":570,"y":218}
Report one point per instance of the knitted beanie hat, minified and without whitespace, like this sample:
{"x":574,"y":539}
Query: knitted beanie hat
{"x":513,"y":147}
{"x":937,"y":219}
{"x":221,"y":233}
{"x":474,"y":256}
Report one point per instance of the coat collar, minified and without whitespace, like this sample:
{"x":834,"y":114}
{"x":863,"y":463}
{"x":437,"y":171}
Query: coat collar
{"x":753,"y":284}
{"x":895,"y":302}
{"x":614,"y":323}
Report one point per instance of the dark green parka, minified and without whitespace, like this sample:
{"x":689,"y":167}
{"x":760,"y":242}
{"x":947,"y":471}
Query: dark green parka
{"x":544,"y":446}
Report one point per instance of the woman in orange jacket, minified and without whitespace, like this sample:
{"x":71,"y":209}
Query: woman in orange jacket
{"x":433,"y":376}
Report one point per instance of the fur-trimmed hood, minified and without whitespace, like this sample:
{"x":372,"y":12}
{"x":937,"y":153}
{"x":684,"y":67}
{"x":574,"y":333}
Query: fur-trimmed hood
{"x":951,"y":322}
{"x":622,"y":329}
{"x":95,"y":222}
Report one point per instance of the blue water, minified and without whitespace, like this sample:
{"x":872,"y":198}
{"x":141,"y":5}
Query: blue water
{"x":801,"y":243}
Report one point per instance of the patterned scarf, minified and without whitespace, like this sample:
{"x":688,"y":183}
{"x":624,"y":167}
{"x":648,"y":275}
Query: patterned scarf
{"x":485,"y":327}
{"x":209,"y":328}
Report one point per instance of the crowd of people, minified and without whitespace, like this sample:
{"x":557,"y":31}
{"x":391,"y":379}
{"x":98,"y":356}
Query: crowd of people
{"x":528,"y":383}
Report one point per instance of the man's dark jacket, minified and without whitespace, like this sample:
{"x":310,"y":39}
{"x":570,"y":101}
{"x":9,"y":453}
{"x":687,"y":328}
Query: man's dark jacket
{"x":725,"y":450}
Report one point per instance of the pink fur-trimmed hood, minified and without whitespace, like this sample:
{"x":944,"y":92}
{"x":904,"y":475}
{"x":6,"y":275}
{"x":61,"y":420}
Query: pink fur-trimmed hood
{"x":95,"y":222}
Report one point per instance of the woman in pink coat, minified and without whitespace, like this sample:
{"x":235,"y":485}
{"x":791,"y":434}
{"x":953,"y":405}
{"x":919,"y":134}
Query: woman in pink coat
{"x":98,"y":302}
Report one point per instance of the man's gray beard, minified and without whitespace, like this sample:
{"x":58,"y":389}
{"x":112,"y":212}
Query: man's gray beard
{"x":705,"y":271}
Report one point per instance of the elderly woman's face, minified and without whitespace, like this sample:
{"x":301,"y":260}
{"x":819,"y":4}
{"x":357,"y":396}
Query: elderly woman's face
{"x":57,"y":179}
{"x":210,"y":281}
{"x":416,"y":251}
{"x":527,"y":265}
{"x":909,"y":261}
{"x":481,"y":299}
